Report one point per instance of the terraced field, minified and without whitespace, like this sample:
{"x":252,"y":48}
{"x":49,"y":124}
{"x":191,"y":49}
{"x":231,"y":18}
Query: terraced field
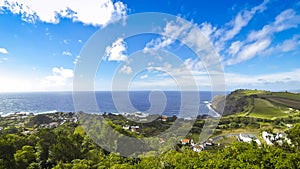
{"x":260,"y":104}
{"x":265,"y":109}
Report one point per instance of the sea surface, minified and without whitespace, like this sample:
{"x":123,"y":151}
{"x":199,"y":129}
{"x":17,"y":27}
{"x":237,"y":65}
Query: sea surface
{"x":168,"y":103}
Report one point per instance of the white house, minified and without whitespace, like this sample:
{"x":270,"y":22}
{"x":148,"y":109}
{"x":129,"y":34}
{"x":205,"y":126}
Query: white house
{"x":185,"y":141}
{"x":248,"y":138}
{"x":268,"y":137}
{"x":198,"y":148}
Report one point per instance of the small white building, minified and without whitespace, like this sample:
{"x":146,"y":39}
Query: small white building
{"x":248,"y":138}
{"x":185,"y":141}
{"x":164,"y":118}
{"x":198,"y":148}
{"x":289,"y":125}
{"x":135,"y":127}
{"x":268,"y":137}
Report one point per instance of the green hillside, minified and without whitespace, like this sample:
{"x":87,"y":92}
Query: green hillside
{"x":258,"y":103}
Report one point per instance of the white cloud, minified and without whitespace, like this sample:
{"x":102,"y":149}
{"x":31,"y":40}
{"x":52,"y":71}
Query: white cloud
{"x":188,"y":33}
{"x":156,"y":44}
{"x":221,"y":36}
{"x":259,"y":42}
{"x":76,"y":60}
{"x":60,"y":77}
{"x":3,"y":51}
{"x":207,"y":29}
{"x":235,"y":47}
{"x":194,"y":64}
{"x":286,"y":46}
{"x":90,"y":12}
{"x":274,"y":81}
{"x":285,"y":20}
{"x":290,"y":79}
{"x":290,"y":44}
{"x":250,"y":51}
{"x":5,"y":59}
{"x":144,"y":76}
{"x":66,"y":53}
{"x":126,"y":69}
{"x":172,"y":31}
{"x":116,"y":52}
{"x":242,"y":19}
{"x":66,"y":42}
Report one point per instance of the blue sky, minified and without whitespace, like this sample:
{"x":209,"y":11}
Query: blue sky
{"x":258,"y":43}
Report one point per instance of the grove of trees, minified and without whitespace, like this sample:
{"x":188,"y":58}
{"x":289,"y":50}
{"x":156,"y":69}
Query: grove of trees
{"x":62,"y":147}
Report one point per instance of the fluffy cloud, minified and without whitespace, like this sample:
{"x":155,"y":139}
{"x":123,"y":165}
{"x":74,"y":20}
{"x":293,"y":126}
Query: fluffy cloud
{"x":126,"y":69}
{"x":116,"y":52}
{"x":60,"y":77}
{"x":144,"y":77}
{"x":172,"y":31}
{"x":90,"y":12}
{"x":207,"y":29}
{"x":3,"y":51}
{"x":66,"y":53}
{"x":188,"y":33}
{"x":76,"y":60}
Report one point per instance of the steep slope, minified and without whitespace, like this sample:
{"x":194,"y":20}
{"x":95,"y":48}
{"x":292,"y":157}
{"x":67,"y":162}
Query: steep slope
{"x":257,"y":103}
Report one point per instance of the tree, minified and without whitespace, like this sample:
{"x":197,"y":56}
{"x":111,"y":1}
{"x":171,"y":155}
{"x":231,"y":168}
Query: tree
{"x":25,"y":156}
{"x":46,"y":139}
{"x":294,"y":135}
{"x":7,"y":150}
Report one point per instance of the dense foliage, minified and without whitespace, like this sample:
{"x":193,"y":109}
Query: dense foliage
{"x":65,"y":147}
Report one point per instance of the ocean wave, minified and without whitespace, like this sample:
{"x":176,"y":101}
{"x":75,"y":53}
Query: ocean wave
{"x":209,"y":106}
{"x":47,"y":112}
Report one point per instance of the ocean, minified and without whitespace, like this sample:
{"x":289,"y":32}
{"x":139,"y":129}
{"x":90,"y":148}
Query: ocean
{"x":48,"y":102}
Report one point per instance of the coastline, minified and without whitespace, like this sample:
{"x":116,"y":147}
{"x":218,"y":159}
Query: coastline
{"x":210,"y":107}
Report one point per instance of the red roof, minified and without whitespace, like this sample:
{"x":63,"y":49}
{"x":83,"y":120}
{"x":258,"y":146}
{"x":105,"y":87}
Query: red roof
{"x":185,"y":140}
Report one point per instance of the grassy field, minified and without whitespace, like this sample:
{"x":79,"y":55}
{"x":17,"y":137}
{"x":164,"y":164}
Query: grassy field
{"x":265,"y":109}
{"x":290,"y":96}
{"x":251,"y":92}
{"x":227,"y":140}
{"x":283,"y":101}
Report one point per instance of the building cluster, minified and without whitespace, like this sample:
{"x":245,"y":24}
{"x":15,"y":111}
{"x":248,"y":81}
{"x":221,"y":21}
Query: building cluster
{"x":248,"y":138}
{"x":277,"y":138}
{"x":197,"y":147}
{"x":137,"y":116}
{"x":17,"y":116}
{"x":131,"y":128}
{"x":21,"y":119}
{"x":269,"y":138}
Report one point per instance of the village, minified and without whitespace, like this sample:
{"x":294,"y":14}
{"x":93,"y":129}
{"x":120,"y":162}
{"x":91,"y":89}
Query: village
{"x":28,"y":123}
